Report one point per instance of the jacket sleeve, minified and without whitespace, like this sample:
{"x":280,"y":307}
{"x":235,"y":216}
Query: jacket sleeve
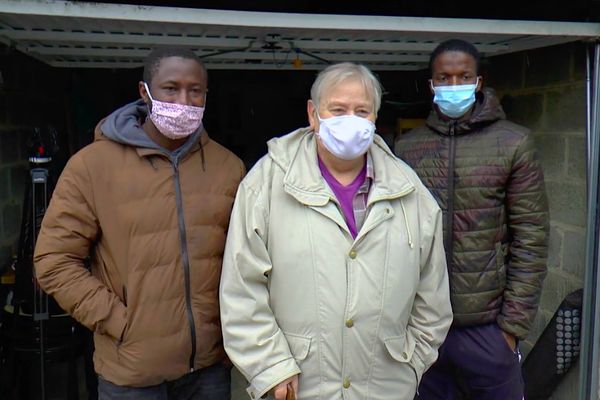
{"x":251,"y":336}
{"x":527,"y":209}
{"x":69,"y":229}
{"x":431,"y":314}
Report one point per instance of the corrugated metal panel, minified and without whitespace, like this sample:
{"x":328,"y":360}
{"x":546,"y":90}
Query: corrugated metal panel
{"x":97,"y":35}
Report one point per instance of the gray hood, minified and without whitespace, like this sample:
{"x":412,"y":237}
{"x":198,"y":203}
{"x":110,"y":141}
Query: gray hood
{"x":124,"y":125}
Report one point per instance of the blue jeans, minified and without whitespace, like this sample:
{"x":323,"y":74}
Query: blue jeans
{"x":210,"y":383}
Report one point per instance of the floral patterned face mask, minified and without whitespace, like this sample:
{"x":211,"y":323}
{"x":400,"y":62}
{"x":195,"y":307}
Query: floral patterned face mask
{"x":175,"y":121}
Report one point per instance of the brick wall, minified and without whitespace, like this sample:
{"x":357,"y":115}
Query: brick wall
{"x":544,"y":89}
{"x":31,"y":94}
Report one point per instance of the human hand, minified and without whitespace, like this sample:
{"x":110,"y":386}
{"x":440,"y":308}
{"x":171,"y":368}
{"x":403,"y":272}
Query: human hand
{"x":287,"y":389}
{"x":510,"y":340}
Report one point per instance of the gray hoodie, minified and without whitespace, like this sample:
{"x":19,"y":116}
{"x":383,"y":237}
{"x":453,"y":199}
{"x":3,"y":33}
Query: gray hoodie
{"x":124,"y":125}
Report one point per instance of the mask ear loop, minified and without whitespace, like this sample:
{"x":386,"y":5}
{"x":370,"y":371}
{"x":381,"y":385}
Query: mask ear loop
{"x":320,"y":120}
{"x":148,"y":93}
{"x":149,"y":106}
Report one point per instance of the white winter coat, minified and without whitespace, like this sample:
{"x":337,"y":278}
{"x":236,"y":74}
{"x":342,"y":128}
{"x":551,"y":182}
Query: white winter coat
{"x":356,"y":318}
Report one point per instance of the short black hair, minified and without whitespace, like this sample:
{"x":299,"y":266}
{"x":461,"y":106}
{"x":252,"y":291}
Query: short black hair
{"x":455,"y":45}
{"x":155,"y":57}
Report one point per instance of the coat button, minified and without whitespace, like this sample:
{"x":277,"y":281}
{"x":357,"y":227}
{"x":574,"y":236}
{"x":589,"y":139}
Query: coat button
{"x":346,"y":383}
{"x":349,"y":323}
{"x":352,"y":254}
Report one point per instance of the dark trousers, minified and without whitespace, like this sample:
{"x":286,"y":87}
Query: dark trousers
{"x":210,"y":383}
{"x":475,"y":363}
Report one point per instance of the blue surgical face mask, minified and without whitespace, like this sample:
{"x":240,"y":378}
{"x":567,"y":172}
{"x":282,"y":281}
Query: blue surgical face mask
{"x":454,"y":100}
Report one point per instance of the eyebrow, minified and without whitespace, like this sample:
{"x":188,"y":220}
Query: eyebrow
{"x":339,"y":103}
{"x":177,"y":83}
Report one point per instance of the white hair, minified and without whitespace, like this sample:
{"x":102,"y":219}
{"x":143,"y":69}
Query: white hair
{"x":337,"y":73}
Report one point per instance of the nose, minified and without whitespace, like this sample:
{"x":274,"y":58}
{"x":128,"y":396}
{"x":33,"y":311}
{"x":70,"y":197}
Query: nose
{"x":454,"y":80}
{"x":184,"y":97}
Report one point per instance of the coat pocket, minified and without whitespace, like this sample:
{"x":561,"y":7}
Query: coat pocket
{"x":299,"y":345}
{"x":402,"y":350}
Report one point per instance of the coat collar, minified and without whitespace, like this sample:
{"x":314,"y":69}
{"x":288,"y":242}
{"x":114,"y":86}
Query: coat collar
{"x":303,"y":178}
{"x":200,"y":142}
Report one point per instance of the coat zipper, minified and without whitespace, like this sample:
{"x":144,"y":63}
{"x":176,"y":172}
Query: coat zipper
{"x":448,"y":241}
{"x":185,"y":259}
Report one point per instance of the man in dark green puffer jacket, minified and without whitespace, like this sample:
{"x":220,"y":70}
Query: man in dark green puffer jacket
{"x":483,"y":171}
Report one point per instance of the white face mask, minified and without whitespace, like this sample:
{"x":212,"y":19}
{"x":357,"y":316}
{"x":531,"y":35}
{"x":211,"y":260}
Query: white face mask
{"x":175,"y":121}
{"x":346,"y":136}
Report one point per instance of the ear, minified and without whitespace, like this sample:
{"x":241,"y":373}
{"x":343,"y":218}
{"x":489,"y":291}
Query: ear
{"x":312,"y":118}
{"x":479,"y":83}
{"x":143,"y":92}
{"x":430,"y":82}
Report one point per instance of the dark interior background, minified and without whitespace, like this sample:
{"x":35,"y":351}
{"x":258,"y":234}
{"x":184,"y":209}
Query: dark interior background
{"x":244,"y":108}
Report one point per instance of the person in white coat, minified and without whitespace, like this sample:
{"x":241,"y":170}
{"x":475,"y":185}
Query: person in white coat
{"x":334,"y":281}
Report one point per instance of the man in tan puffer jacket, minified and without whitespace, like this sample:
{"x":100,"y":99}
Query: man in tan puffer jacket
{"x":149,"y":202}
